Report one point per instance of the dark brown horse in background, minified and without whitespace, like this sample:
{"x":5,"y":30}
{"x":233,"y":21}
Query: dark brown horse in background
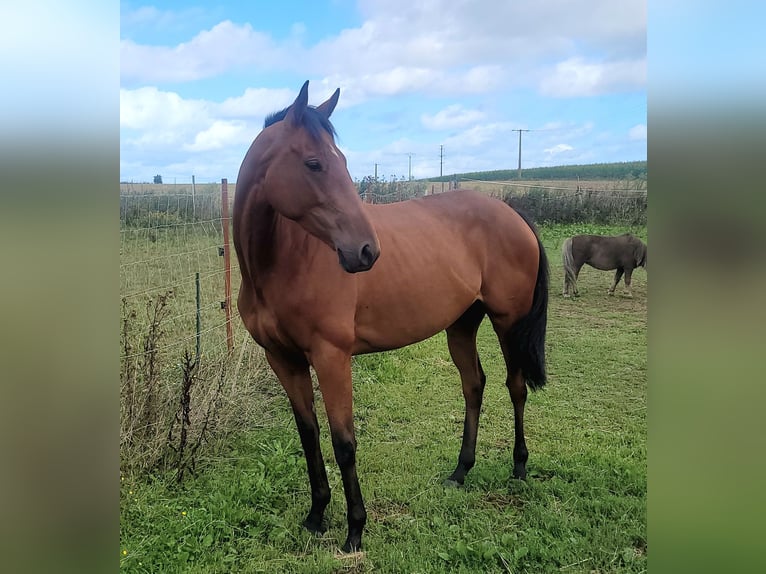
{"x":303,"y":238}
{"x":622,"y":252}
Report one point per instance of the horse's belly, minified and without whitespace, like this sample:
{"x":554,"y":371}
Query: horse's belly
{"x":391,"y":319}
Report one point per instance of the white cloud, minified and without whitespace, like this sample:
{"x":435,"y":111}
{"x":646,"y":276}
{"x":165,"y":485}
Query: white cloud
{"x":446,"y":52}
{"x":398,"y":80}
{"x":558,"y":149}
{"x":454,"y":116}
{"x":159,"y":112}
{"x":257,"y":102}
{"x":480,"y":134}
{"x":480,"y":79}
{"x":574,"y":77}
{"x":155,"y":120}
{"x":219,"y":135}
{"x":149,"y":108}
{"x":637,"y":132}
{"x":224,"y":47}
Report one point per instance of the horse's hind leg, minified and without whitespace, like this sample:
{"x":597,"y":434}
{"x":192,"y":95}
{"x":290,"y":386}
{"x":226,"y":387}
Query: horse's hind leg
{"x":461,"y":339}
{"x":628,"y":277}
{"x":517,"y":388}
{"x":617,"y":277}
{"x":296,"y":379}
{"x":576,"y":273}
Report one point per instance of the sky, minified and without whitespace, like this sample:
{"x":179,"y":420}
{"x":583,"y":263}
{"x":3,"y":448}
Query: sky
{"x":426,"y":86}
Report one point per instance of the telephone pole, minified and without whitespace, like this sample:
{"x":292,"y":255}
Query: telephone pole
{"x":520,"y":148}
{"x":441,"y":163}
{"x":410,"y":154}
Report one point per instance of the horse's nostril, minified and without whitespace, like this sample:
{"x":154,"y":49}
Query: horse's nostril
{"x":366,"y":256}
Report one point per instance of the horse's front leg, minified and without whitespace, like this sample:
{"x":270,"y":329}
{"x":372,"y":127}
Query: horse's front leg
{"x":333,"y":368}
{"x":294,"y":375}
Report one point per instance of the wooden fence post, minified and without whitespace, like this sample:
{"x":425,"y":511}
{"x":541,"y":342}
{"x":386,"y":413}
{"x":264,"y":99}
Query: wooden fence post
{"x":226,"y":261}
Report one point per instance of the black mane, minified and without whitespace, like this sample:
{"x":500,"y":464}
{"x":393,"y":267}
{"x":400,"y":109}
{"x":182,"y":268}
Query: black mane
{"x":313,"y":121}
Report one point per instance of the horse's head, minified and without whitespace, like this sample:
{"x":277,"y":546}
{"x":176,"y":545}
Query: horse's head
{"x":306,"y":180}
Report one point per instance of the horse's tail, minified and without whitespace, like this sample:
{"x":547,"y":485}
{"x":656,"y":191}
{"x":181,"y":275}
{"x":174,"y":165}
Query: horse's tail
{"x":568,"y":261}
{"x":526,"y":339}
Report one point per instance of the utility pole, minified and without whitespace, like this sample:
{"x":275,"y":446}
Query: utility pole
{"x":410,"y":154}
{"x":520,"y":148}
{"x":376,"y":173}
{"x":441,"y":163}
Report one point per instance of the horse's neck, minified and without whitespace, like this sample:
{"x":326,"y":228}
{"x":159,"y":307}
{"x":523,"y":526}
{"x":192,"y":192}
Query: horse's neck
{"x":269,"y":232}
{"x":262,"y":226}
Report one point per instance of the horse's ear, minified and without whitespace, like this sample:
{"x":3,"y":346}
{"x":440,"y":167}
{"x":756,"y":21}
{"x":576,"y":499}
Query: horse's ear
{"x":327,"y":107}
{"x":295,"y":113}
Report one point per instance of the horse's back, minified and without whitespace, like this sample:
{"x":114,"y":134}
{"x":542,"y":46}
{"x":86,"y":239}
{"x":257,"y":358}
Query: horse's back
{"x":462,"y":211}
{"x":462,"y":226}
{"x":606,"y":252}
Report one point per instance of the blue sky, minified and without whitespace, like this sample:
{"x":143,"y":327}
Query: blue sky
{"x":196,"y":81}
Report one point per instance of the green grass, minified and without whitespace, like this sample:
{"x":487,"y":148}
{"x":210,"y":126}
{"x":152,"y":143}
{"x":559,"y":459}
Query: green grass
{"x":583,"y":508}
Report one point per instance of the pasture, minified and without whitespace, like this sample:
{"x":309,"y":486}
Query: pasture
{"x":583,"y":508}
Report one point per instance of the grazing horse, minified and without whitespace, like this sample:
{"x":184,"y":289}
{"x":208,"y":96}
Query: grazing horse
{"x":622,"y":252}
{"x":326,"y":276}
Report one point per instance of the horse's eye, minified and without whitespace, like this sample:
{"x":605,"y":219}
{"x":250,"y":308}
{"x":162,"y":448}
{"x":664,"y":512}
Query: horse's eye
{"x":313,"y":164}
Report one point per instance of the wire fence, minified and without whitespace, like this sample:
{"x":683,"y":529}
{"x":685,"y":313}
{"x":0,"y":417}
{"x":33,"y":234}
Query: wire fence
{"x":187,"y":361}
{"x":168,"y":241}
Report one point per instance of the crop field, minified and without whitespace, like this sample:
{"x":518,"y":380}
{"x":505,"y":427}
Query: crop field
{"x":582,"y":509}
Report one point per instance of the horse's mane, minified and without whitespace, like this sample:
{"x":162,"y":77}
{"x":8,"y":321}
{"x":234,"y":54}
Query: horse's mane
{"x":312,"y":120}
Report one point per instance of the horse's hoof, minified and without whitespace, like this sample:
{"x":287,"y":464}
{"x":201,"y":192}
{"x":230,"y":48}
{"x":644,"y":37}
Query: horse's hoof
{"x":566,"y":295}
{"x":351,"y":546}
{"x":317,"y":527}
{"x":450,"y":483}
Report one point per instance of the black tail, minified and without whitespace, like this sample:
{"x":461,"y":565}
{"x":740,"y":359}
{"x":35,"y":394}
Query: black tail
{"x":526,"y":339}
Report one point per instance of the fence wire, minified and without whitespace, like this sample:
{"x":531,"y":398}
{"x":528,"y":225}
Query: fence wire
{"x":167,"y":240}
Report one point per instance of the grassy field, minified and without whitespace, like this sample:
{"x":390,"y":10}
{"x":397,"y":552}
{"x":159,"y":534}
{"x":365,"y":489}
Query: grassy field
{"x":583,"y":508}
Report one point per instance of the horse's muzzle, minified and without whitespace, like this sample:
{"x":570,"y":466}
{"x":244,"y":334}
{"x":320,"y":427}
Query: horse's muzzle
{"x":363,"y":260}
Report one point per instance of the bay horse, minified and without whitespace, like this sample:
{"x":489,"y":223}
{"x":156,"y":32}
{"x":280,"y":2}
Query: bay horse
{"x":326,"y":276}
{"x":622,"y":252}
